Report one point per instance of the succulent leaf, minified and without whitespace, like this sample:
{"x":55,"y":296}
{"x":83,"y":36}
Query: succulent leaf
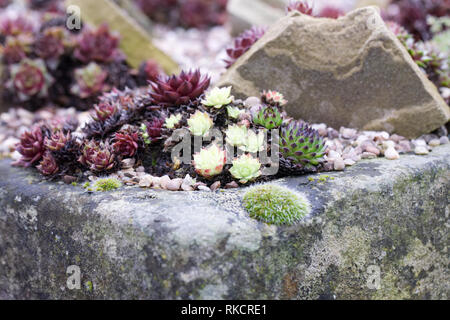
{"x":209,"y":161}
{"x":200,"y":123}
{"x":243,"y":43}
{"x":178,"y":90}
{"x":301,"y":144}
{"x":253,"y":142}
{"x":268,"y":117}
{"x":245,"y":168}
{"x":218,"y":97}
{"x":172,"y":121}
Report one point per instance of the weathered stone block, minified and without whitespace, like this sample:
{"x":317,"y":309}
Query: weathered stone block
{"x":379,"y":230}
{"x":350,"y":72}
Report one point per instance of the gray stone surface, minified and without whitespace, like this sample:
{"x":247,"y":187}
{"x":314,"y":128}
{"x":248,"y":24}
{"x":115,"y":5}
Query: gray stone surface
{"x":391,"y":215}
{"x":350,"y":72}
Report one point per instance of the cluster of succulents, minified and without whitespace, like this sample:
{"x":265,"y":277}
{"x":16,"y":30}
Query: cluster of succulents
{"x":301,"y":145}
{"x":242,"y":43}
{"x":306,"y":7}
{"x":427,"y":56}
{"x":45,"y":63}
{"x":178,"y":90}
{"x":186,"y":13}
{"x":4,"y":3}
{"x":139,"y":125}
{"x":413,"y":15}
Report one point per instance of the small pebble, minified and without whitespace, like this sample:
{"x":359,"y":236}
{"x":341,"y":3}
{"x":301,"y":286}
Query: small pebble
{"x":321,"y":128}
{"x":396,"y":138}
{"x":391,"y":154}
{"x":186,"y":187}
{"x":388,"y":144}
{"x":333,"y":133}
{"x":128,"y":163}
{"x":204,"y":188}
{"x":333,"y":155}
{"x":444,"y":140}
{"x":146,"y":181}
{"x":419,"y":142}
{"x":368,"y":155}
{"x":349,"y":162}
{"x":197,"y":185}
{"x":188,"y":180}
{"x":129,"y":173}
{"x":252,"y":101}
{"x":174,"y":184}
{"x":69,"y":179}
{"x":434,"y":143}
{"x":372,"y":149}
{"x":421,"y":150}
{"x":339,"y":165}
{"x":164,"y":181}
{"x":232,"y":185}
{"x":404,"y":146}
{"x":215,"y":186}
{"x":348,"y":133}
{"x":350,"y":155}
{"x":381,"y":136}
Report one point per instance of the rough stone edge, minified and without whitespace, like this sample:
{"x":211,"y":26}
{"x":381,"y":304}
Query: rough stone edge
{"x":337,"y":240}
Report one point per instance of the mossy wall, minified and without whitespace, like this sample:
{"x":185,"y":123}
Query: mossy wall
{"x":377,"y":231}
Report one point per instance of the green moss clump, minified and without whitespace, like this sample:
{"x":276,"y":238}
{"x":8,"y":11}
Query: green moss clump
{"x":106,"y":184}
{"x":277,"y":205}
{"x":321,"y":179}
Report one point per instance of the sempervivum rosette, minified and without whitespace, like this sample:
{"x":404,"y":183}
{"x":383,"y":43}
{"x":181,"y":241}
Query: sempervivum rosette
{"x":301,"y":145}
{"x":90,"y":80}
{"x":154,"y":128}
{"x":97,"y":156}
{"x":273,"y":98}
{"x":243,"y":43}
{"x":178,"y":90}
{"x":48,"y":165}
{"x":57,"y":140}
{"x":51,"y":43}
{"x":10,"y":26}
{"x":31,"y":147}
{"x":210,"y":161}
{"x":245,"y":168}
{"x":97,"y":45}
{"x":269,"y":117}
{"x":303,"y":6}
{"x":126,"y":143}
{"x":29,"y":78}
{"x":15,"y":49}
